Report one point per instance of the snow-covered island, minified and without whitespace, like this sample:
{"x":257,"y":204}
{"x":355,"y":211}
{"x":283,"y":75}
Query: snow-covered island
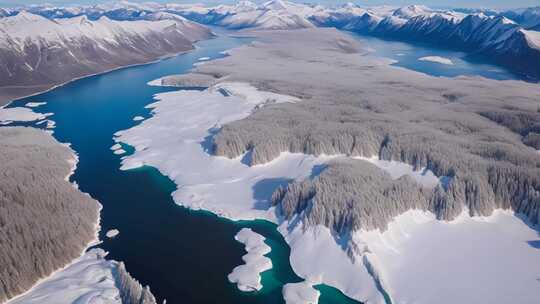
{"x":322,"y":166}
{"x":248,"y":276}
{"x":437,"y":59}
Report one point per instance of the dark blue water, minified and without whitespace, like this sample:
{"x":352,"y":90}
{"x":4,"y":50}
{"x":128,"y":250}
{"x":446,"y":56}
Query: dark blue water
{"x":185,"y":256}
{"x":407,"y":56}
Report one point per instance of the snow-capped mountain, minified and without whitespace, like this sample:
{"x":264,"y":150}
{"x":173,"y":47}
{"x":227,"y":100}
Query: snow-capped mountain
{"x":38,"y":52}
{"x":497,"y":34}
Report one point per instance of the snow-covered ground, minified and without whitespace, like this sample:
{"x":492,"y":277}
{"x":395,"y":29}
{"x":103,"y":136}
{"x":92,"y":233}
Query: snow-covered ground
{"x":464,"y":261}
{"x":177,"y":139}
{"x":87,"y":280}
{"x":8,"y":115}
{"x":300,"y":293}
{"x":396,"y":169}
{"x":437,"y":59}
{"x":252,"y":94}
{"x":316,"y":255}
{"x":248,"y":276}
{"x":413,"y":246}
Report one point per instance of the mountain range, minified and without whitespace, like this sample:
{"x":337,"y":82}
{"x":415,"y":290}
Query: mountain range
{"x":509,"y":38}
{"x":37,"y":53}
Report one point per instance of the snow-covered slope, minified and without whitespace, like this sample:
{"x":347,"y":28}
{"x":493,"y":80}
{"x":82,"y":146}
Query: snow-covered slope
{"x":87,"y":280}
{"x":39,"y":53}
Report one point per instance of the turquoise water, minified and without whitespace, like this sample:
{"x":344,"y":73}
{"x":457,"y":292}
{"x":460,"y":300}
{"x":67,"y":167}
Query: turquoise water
{"x":407,"y":56}
{"x":185,"y":256}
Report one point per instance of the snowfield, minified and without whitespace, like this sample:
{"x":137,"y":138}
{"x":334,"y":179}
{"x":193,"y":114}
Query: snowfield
{"x":300,"y":293}
{"x":87,"y":280}
{"x":477,"y":256}
{"x":8,"y":115}
{"x":248,"y":276}
{"x":437,"y":59}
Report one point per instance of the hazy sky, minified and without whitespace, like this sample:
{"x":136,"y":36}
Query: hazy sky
{"x":433,"y":3}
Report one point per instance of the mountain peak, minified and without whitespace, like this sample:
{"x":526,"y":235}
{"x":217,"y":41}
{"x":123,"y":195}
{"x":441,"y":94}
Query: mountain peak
{"x":275,"y":5}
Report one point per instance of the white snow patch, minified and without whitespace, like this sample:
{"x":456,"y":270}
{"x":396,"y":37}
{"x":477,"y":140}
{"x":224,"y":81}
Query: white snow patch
{"x":116,"y":147}
{"x":138,"y":118}
{"x":247,"y":277}
{"x":179,"y":149}
{"x":155,"y":82}
{"x":119,"y":151}
{"x":437,"y":59}
{"x":87,"y":280}
{"x":112,"y":233}
{"x":34,"y":104}
{"x":20,"y":114}
{"x":300,"y":293}
{"x":316,"y":255}
{"x":51,"y":124}
{"x":533,"y":38}
{"x":252,"y":94}
{"x":446,"y":259}
{"x":423,"y":176}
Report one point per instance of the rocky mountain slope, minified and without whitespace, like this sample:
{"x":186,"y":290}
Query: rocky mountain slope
{"x":37,"y":53}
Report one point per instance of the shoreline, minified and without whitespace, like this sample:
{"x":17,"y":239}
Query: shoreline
{"x":161,"y":58}
{"x":97,"y":228}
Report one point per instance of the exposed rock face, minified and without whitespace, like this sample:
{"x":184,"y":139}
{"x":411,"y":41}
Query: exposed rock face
{"x":45,"y":222}
{"x":38,"y":53}
{"x":361,"y":107}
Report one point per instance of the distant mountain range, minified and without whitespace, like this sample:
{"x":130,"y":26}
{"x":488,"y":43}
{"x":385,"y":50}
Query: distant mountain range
{"x":37,"y":53}
{"x":509,"y":38}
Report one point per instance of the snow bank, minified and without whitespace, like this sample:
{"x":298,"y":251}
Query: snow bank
{"x":247,"y":276}
{"x":34,"y":104}
{"x":112,"y":233}
{"x":316,"y":254}
{"x":89,"y":279}
{"x":463,"y":261}
{"x":300,"y":293}
{"x":180,"y":148}
{"x":8,"y":115}
{"x":437,"y":59}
